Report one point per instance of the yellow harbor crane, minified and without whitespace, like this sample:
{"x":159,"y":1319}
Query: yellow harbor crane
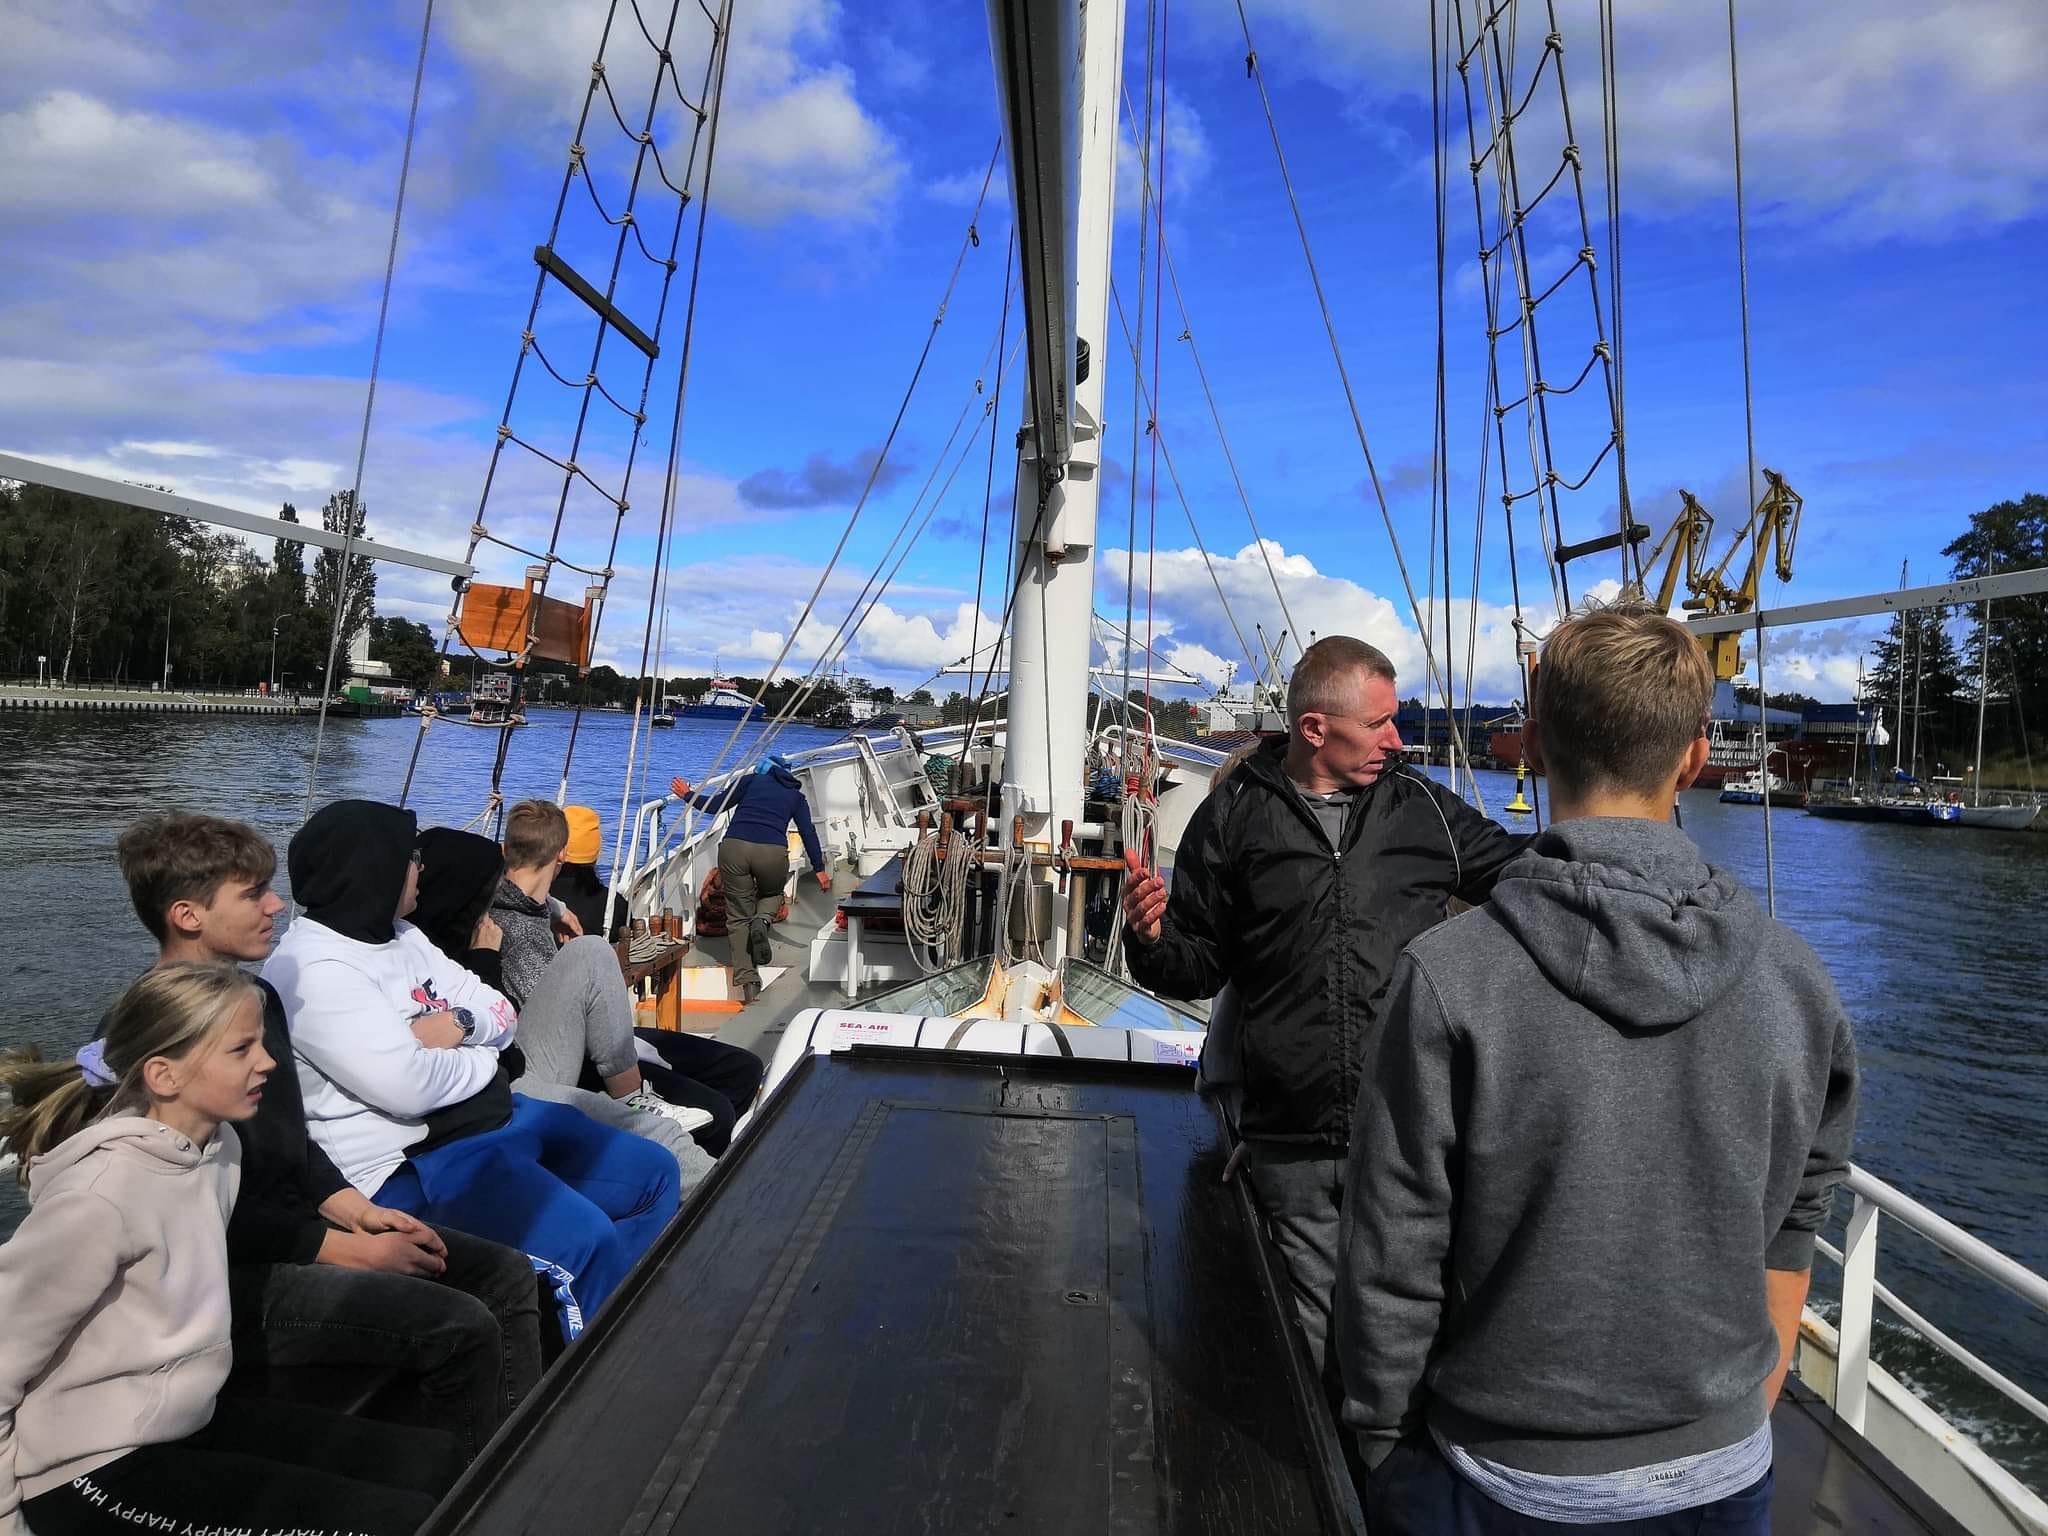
{"x":1773,"y":521}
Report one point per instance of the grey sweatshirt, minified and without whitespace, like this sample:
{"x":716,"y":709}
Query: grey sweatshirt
{"x":1596,"y":1111}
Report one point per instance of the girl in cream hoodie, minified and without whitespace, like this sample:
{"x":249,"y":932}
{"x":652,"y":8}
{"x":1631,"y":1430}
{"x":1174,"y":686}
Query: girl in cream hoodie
{"x":114,"y":1288}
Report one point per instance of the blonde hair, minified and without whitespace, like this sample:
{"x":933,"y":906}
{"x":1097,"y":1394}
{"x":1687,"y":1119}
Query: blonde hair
{"x":1621,"y":693}
{"x":536,"y":832}
{"x":171,"y":1012}
{"x":1322,"y":678}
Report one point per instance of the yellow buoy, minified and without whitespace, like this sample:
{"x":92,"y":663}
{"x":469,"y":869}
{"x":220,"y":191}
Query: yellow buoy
{"x":1520,"y":804}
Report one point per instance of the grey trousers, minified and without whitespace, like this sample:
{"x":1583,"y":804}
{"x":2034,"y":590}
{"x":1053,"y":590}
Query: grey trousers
{"x":752,"y":875}
{"x":1301,"y":1191}
{"x":581,"y":1010}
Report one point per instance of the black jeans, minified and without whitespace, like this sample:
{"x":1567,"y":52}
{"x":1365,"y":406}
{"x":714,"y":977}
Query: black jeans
{"x":471,"y":1339}
{"x":1415,"y":1492}
{"x":705,"y":1074}
{"x":264,"y":1469}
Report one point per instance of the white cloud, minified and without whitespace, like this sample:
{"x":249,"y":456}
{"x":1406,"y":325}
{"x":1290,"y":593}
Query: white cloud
{"x":1187,"y":155}
{"x":1888,"y":122}
{"x":794,"y":138}
{"x":68,"y":153}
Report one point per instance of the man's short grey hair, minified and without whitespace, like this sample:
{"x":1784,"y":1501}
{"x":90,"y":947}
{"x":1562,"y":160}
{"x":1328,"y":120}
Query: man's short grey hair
{"x":1326,"y":676}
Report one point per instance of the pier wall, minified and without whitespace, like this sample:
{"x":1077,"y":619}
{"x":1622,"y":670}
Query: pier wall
{"x":144,"y":701}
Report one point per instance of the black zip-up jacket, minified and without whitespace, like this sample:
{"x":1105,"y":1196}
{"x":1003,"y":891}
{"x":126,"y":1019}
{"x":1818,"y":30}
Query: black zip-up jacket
{"x":1305,"y":934}
{"x":285,"y":1176}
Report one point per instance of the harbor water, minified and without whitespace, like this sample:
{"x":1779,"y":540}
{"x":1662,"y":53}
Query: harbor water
{"x":1933,"y":935}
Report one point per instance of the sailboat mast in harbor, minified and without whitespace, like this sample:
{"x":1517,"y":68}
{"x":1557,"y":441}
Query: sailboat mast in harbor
{"x":1059,"y":123}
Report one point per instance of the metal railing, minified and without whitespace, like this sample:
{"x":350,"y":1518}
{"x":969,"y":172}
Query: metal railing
{"x":1862,"y":1290}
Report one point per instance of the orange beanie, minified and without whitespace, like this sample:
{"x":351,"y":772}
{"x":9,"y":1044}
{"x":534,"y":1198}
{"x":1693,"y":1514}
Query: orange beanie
{"x":586,"y":838}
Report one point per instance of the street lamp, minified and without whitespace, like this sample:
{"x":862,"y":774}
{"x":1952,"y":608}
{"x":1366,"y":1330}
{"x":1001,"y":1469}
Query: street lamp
{"x":279,"y":619}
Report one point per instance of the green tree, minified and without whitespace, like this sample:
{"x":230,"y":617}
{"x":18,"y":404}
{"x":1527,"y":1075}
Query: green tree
{"x":408,"y":648}
{"x":356,"y":594}
{"x":922,"y":696}
{"x":2008,"y":536}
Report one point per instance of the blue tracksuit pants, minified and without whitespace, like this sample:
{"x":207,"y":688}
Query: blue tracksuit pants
{"x":552,"y":1182}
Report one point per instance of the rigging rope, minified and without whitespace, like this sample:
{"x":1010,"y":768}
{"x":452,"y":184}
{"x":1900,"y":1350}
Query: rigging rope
{"x":1158,"y":198}
{"x":850,"y":627}
{"x":664,"y":541}
{"x":1187,"y":334}
{"x":603,"y":305}
{"x":1350,"y":397}
{"x":842,"y":637}
{"x":968,"y":242}
{"x":1166,"y":453}
{"x":1763,"y":698}
{"x":355,"y":501}
{"x":1138,"y":367}
{"x":988,"y":491}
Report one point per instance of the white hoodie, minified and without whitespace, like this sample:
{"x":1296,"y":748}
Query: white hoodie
{"x":114,"y":1292}
{"x":369,"y":1084}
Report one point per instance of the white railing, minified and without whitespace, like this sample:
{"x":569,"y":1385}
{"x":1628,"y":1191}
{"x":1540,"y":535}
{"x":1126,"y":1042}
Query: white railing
{"x":1861,"y":1290}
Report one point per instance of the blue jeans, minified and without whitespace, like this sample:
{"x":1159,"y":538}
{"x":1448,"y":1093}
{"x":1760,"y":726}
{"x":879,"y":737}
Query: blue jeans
{"x":1415,"y":1492}
{"x":554,"y":1183}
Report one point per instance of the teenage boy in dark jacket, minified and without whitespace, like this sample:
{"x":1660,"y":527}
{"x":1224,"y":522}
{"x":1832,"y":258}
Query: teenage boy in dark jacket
{"x":1298,"y":882}
{"x":1599,"y":1127}
{"x":319,"y":1274}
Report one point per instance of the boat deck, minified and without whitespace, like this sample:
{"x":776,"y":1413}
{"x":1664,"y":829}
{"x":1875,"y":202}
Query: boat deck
{"x":939,"y":1293}
{"x":759,"y":1025}
{"x":900,"y":1387}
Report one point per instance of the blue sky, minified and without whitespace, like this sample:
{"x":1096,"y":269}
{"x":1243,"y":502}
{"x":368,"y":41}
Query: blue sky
{"x":198,"y":206}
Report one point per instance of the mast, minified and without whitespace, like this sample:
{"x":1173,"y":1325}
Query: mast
{"x":1058,"y":74}
{"x":1983,"y":693}
{"x":1856,"y":756}
{"x":1899,"y":752}
{"x":1919,"y":663}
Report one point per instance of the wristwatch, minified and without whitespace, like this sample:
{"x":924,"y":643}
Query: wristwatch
{"x":468,"y":1022}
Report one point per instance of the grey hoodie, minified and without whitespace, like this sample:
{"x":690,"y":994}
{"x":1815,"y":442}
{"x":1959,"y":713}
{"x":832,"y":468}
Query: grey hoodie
{"x":1596,"y":1111}
{"x":115,"y":1294}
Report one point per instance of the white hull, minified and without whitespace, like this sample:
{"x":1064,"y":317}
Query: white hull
{"x":2000,"y":818}
{"x":1947,"y":1465}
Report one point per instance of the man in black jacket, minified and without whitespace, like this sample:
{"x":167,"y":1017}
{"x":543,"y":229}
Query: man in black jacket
{"x":318,"y":1273}
{"x":1298,"y":882}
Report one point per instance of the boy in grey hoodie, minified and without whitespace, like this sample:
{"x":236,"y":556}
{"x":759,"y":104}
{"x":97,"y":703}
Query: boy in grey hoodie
{"x":1598,"y":1130}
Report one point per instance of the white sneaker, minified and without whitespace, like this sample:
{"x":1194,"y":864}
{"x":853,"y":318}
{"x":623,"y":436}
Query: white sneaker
{"x":687,"y":1116}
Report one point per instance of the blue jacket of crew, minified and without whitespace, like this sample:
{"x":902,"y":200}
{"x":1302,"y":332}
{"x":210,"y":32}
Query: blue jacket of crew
{"x":764,"y":803}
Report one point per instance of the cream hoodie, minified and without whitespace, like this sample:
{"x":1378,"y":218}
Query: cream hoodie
{"x":114,"y":1296}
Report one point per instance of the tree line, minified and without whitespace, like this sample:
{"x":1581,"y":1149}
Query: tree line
{"x":92,"y":591}
{"x":1923,"y":680}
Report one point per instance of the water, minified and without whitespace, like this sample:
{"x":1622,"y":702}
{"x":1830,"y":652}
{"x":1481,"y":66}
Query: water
{"x":1933,"y":936}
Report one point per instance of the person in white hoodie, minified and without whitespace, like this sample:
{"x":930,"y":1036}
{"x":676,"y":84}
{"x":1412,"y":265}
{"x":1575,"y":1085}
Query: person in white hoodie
{"x":115,"y":1294}
{"x":398,"y":1055}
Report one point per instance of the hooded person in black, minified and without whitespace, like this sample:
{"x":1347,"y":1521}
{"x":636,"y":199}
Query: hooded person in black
{"x":459,"y":874}
{"x":348,"y":867}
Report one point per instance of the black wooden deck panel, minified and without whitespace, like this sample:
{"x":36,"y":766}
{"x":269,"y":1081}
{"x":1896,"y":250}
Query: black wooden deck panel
{"x":937,"y":1295}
